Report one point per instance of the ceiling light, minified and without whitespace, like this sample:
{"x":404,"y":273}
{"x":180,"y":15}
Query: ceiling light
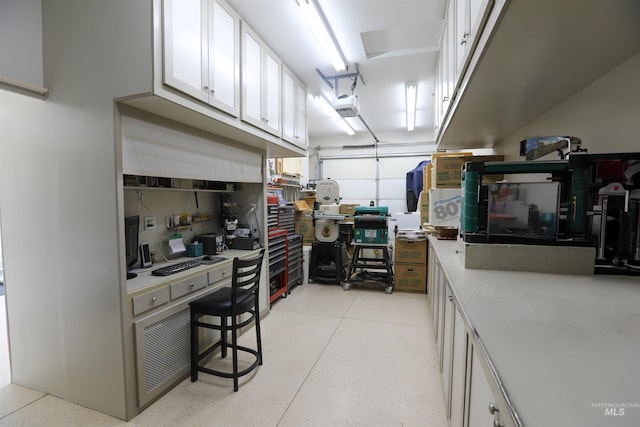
{"x":411,"y":105}
{"x":320,"y":27}
{"x":326,"y":106}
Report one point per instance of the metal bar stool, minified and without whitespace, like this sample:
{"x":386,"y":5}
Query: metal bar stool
{"x":241,"y":297}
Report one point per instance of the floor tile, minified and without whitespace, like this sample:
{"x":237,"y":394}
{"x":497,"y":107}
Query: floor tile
{"x":331,"y":357}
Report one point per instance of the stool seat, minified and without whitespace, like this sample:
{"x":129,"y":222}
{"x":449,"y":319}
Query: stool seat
{"x":229,"y":303}
{"x":220,"y":303}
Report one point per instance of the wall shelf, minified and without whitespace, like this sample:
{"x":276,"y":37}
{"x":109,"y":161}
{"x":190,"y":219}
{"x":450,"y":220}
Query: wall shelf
{"x":143,"y":183}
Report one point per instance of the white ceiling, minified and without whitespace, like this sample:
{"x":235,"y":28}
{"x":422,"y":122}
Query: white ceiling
{"x":391,"y":41}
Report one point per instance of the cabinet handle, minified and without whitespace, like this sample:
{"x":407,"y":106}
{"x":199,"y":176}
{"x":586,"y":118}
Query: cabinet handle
{"x":153,"y":299}
{"x":492,"y":408}
{"x":191,"y":284}
{"x":451,"y":299}
{"x":463,"y":41}
{"x":445,"y":99}
{"x":206,"y":88}
{"x":496,"y":423}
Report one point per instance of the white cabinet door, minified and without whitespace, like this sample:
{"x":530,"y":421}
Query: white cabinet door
{"x":251,"y":78}
{"x":261,"y":84}
{"x":185,"y":46}
{"x":272,"y":92}
{"x":447,"y":346}
{"x":202,"y":51}
{"x":437,"y":98}
{"x":480,"y":394}
{"x":458,"y":369}
{"x":462,"y":37}
{"x":470,"y":14}
{"x":301,"y":117}
{"x":294,"y":109}
{"x":288,"y":106}
{"x":224,"y":58}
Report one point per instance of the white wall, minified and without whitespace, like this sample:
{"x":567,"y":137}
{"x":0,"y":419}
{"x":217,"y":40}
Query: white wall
{"x":605,"y":115}
{"x":58,"y":202}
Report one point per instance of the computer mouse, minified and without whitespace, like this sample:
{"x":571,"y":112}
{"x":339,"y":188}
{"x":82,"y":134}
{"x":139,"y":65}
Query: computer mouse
{"x":208,"y":257}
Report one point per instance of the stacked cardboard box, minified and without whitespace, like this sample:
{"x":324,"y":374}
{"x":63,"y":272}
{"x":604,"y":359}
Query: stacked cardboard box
{"x":447,"y":170}
{"x":304,"y":222}
{"x":441,"y":200}
{"x":410,"y":266}
{"x":348,"y":210}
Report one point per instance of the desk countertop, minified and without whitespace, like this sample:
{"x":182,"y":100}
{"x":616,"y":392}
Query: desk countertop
{"x":146,"y":280}
{"x":566,"y":347}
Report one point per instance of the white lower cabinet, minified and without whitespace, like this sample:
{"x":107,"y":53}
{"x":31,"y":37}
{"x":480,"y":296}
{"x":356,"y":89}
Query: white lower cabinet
{"x":480,"y":395}
{"x":161,"y":328}
{"x":458,"y":369}
{"x":447,"y":345}
{"x":471,"y":394}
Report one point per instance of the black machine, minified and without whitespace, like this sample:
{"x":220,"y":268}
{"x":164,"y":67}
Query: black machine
{"x":584,"y":200}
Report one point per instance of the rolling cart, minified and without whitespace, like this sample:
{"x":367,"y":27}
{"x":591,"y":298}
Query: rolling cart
{"x":370,"y":270}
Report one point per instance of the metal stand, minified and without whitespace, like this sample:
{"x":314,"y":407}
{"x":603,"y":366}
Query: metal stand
{"x":376,"y":271}
{"x":326,"y":262}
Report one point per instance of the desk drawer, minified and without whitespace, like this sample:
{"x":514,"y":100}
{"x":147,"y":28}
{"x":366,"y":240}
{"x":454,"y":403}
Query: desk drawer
{"x":150,"y":300}
{"x":185,"y":287}
{"x":220,"y":273}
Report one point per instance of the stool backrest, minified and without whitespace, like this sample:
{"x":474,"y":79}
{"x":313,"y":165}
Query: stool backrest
{"x":246,"y":274}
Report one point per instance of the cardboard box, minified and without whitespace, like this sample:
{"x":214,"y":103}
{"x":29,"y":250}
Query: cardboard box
{"x":410,"y":278}
{"x":435,"y":157}
{"x":423,"y":206}
{"x":304,"y":227}
{"x":411,"y":251}
{"x":301,"y":206}
{"x":447,"y":171}
{"x":445,"y":205}
{"x":348,"y":209}
{"x":426,"y":176}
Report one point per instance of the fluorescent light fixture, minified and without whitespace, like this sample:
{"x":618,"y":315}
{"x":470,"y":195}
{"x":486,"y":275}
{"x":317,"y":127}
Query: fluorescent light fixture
{"x":331,"y":112}
{"x":411,"y":105}
{"x":321,"y":29}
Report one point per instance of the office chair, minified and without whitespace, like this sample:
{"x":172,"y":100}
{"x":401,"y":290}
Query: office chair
{"x":241,"y":297}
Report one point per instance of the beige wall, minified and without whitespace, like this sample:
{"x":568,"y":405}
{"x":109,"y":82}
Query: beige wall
{"x":605,"y":115}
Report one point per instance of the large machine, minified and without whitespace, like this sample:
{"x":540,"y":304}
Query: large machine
{"x":585,"y":200}
{"x":328,"y":253}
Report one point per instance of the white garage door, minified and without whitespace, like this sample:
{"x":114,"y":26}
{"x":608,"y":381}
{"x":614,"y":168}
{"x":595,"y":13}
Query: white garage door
{"x":364,"y":180}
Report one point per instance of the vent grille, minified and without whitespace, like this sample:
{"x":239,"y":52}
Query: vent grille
{"x":167,"y":348}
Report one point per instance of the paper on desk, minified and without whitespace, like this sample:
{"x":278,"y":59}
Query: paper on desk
{"x":176,"y":246}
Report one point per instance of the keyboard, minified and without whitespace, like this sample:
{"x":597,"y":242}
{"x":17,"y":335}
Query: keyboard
{"x":175,"y":268}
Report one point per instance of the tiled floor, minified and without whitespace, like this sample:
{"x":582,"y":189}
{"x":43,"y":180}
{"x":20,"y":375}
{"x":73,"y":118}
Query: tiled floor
{"x":331,"y":358}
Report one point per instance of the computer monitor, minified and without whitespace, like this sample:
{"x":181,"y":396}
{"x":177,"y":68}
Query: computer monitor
{"x":131,"y":227}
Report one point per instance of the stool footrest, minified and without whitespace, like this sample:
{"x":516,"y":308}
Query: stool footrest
{"x":230,"y":374}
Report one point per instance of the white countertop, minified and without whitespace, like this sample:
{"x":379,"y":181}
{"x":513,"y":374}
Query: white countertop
{"x":146,"y":280}
{"x":565,"y":346}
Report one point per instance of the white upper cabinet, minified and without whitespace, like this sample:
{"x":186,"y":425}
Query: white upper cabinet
{"x":294,"y":109}
{"x":469,"y":16}
{"x":224,"y":57}
{"x":462,"y":25}
{"x":202,"y":51}
{"x":261,"y":84}
{"x":184,"y":39}
{"x":301,"y":122}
